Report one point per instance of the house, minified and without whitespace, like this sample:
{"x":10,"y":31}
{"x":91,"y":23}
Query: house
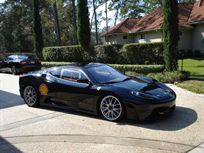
{"x":149,"y":28}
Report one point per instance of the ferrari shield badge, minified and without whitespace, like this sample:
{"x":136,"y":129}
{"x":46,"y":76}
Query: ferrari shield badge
{"x":43,"y":89}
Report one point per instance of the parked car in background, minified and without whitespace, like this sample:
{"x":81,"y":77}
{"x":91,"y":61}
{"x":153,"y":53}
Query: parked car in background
{"x":20,"y":64}
{"x":98,"y":89}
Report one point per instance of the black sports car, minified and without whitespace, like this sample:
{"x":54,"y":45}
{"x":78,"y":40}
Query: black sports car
{"x":99,"y":89}
{"x":19,"y":64}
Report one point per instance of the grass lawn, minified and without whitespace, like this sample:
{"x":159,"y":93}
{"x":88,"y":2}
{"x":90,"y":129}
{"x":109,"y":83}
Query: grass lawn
{"x":196,"y":81}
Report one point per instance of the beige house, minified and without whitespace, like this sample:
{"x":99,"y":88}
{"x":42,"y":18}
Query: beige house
{"x":149,"y":28}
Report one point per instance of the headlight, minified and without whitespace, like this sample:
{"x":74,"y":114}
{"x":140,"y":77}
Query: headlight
{"x":142,"y":95}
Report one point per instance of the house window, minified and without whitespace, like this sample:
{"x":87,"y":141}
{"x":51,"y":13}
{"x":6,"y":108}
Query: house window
{"x":124,"y":37}
{"x":142,"y":36}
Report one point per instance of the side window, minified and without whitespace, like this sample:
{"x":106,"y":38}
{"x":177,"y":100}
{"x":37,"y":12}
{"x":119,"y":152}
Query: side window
{"x":72,"y":75}
{"x":55,"y":72}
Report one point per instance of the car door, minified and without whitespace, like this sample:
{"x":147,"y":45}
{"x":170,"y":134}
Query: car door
{"x":75,"y":91}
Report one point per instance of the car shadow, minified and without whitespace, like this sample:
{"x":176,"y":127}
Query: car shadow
{"x":181,"y":118}
{"x":8,"y":99}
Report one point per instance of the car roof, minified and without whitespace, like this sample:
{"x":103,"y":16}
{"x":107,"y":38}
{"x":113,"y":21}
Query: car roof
{"x":82,"y":65}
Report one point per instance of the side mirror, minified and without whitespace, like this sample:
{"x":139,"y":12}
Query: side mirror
{"x":85,"y":81}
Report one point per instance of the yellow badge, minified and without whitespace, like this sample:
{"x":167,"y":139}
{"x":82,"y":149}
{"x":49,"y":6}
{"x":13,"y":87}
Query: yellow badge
{"x":43,"y":89}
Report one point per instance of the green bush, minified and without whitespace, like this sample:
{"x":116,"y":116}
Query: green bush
{"x":169,"y":77}
{"x":64,"y":53}
{"x":144,"y":69}
{"x":148,"y":53}
{"x":128,"y":54}
{"x":109,"y":53}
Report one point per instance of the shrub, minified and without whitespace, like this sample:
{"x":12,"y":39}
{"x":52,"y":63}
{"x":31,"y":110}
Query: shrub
{"x":197,"y":53}
{"x":189,"y":53}
{"x":144,"y":69}
{"x":53,"y":64}
{"x":128,"y":54}
{"x":148,"y":53}
{"x":169,"y":77}
{"x":109,"y":53}
{"x":64,"y":53}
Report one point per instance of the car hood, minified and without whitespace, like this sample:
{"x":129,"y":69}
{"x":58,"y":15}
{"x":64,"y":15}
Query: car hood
{"x":145,"y":85}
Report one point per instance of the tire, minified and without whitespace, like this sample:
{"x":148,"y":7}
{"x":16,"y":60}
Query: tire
{"x":13,"y":70}
{"x":31,"y":96}
{"x":111,"y":108}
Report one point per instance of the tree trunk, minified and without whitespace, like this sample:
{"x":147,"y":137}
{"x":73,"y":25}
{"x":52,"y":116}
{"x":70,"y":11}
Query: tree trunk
{"x":37,"y":30}
{"x":106,"y":11}
{"x":96,"y":21}
{"x":56,"y":23}
{"x":74,"y":22}
{"x":116,"y":15}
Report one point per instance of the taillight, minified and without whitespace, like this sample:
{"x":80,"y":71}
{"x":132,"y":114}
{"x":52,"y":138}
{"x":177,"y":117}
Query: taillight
{"x":23,"y":62}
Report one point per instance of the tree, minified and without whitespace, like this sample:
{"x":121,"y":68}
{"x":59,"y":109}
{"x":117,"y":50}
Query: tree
{"x":74,"y":22}
{"x":56,"y":22}
{"x":170,"y":34}
{"x":127,"y":8}
{"x":37,"y":29}
{"x":83,"y":28}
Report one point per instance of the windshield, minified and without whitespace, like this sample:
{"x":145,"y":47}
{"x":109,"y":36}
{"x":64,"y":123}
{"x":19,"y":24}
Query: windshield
{"x":106,"y":74}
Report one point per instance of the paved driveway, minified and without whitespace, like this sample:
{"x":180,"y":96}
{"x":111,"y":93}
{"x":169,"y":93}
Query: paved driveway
{"x":47,"y":130}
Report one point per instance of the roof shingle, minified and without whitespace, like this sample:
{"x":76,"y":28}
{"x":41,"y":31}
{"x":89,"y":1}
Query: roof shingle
{"x":187,"y":12}
{"x":197,"y":14}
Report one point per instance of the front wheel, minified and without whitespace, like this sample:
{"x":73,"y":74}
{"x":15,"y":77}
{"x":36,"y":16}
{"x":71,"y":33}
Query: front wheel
{"x":31,"y":96}
{"x":111,"y":108}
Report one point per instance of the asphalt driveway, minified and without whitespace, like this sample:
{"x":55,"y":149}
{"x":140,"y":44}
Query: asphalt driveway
{"x":49,"y":130}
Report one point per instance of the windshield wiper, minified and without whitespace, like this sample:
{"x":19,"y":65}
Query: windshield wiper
{"x":110,"y":82}
{"x":128,"y":78}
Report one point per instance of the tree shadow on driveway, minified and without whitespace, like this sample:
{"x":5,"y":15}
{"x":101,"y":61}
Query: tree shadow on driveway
{"x":181,"y":118}
{"x":6,"y":146}
{"x":8,"y":99}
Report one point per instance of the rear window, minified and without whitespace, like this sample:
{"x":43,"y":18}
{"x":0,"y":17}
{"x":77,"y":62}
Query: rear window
{"x":21,"y":57}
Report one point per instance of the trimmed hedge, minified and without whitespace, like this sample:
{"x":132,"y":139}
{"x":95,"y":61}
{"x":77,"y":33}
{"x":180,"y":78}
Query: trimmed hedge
{"x":76,"y":54}
{"x":127,"y":54}
{"x":64,"y":53}
{"x":144,"y":69}
{"x":170,"y":77}
{"x":109,"y":53}
{"x":148,"y":53}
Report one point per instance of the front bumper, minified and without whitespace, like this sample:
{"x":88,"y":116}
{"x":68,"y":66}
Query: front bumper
{"x":141,"y":112}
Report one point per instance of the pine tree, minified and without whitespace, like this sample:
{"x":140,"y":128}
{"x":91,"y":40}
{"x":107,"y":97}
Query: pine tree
{"x":37,"y":30}
{"x":83,"y":28}
{"x":170,"y":34}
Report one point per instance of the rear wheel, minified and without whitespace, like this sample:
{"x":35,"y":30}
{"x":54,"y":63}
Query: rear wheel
{"x":111,"y":108}
{"x":31,"y":96}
